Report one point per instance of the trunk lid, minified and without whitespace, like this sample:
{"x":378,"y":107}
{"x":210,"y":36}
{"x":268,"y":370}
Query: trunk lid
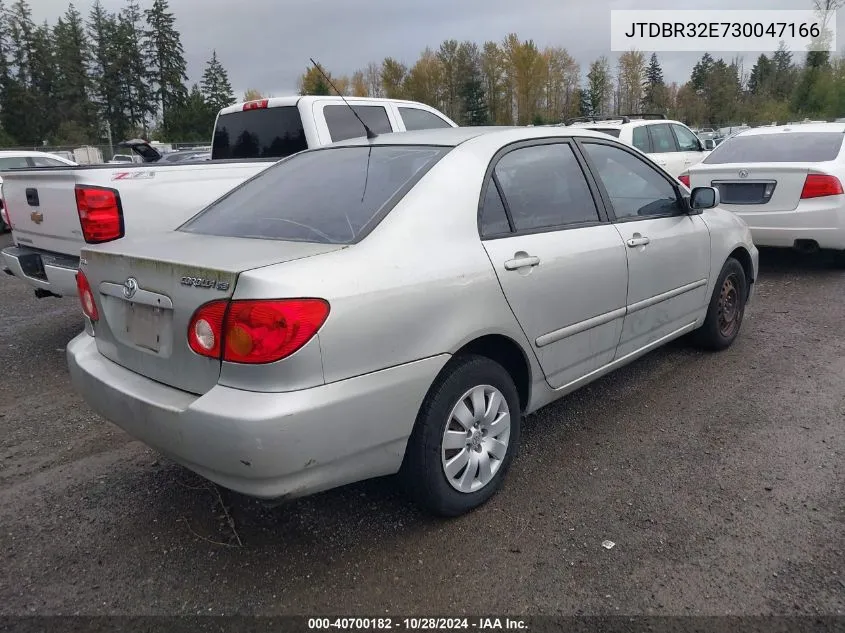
{"x":750,"y":187}
{"x":42,"y":207}
{"x":147,"y":290}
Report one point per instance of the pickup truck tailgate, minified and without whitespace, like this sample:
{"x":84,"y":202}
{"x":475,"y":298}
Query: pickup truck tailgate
{"x":41,"y":205}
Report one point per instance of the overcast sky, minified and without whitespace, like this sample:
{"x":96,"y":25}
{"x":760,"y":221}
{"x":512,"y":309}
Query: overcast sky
{"x":265,"y":44}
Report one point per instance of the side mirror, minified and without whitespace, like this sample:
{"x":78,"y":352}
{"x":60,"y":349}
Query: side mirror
{"x":703,"y":198}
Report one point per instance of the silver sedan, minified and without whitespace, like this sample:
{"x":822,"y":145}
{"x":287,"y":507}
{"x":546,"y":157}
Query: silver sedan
{"x":397,"y":305}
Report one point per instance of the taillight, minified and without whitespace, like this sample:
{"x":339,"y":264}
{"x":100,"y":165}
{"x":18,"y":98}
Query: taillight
{"x":100,"y":213}
{"x":86,"y":297}
{"x":256,"y":105}
{"x":819,"y":185}
{"x":205,"y":332}
{"x":684,"y":178}
{"x":255,"y":332}
{"x":4,"y":213}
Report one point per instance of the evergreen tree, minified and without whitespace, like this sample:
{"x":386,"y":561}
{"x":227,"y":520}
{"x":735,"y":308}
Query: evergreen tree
{"x":654,"y":88}
{"x":585,"y":108}
{"x":474,"y":99}
{"x":43,"y":83}
{"x":136,"y":90}
{"x":20,"y":109}
{"x":759,"y":81}
{"x":105,"y":74}
{"x":701,"y":72}
{"x":5,"y":45}
{"x":73,"y":105}
{"x":165,"y":59}
{"x":192,"y":119}
{"x":216,"y":88}
{"x":783,"y":81}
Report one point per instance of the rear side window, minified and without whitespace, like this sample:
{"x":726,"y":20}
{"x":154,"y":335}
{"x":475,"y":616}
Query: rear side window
{"x":544,"y":187}
{"x":417,"y":119}
{"x":260,"y":133}
{"x":44,"y":161}
{"x":494,"y":218}
{"x":330,"y":196}
{"x":343,"y":124}
{"x":641,"y":140}
{"x":16,"y":162}
{"x":662,"y":140}
{"x":782,"y":147}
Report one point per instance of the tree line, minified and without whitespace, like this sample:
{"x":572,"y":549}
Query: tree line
{"x":517,"y":82}
{"x":120,"y":74}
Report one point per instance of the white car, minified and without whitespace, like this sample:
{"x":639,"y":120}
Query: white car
{"x":24,"y":160}
{"x":670,"y":144}
{"x":785,"y":182}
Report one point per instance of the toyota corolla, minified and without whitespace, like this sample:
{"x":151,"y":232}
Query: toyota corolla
{"x":397,"y":304}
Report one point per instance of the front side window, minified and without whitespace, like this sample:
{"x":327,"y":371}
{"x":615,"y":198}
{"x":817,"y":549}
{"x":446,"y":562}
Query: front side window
{"x":418,"y":119}
{"x":687,"y":141}
{"x":662,"y":140}
{"x":636,"y":189}
{"x":343,"y":125}
{"x":545,"y":187}
{"x":330,"y":196}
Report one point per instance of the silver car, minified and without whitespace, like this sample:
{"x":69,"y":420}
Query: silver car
{"x":397,"y":305}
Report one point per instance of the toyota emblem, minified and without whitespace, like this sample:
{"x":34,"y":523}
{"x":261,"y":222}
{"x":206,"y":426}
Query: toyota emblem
{"x":130,"y":287}
{"x":743,"y":173}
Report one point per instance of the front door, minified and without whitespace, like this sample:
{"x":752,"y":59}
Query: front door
{"x":665,"y":149}
{"x":668,"y":249}
{"x":561,"y":265}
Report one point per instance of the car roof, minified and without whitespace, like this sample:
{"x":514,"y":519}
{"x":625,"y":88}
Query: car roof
{"x":797,"y":127}
{"x":26,"y":153}
{"x":618,"y":124}
{"x":305,"y":100}
{"x":452,"y":137}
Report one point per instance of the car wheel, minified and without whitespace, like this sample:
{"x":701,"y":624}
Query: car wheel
{"x":726,"y":309}
{"x":465,"y":437}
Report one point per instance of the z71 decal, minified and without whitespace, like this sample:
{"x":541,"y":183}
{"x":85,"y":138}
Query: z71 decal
{"x":133,"y":175}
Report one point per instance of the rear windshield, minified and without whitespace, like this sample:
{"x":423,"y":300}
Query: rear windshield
{"x":331,"y":196}
{"x":260,"y":133}
{"x":606,"y":130}
{"x":782,"y":147}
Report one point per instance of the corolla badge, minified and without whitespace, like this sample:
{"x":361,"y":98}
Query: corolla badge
{"x":200,"y":282}
{"x":743,"y":173}
{"x":130,"y":287}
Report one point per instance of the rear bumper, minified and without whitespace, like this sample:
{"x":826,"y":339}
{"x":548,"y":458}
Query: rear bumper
{"x":267,"y":445}
{"x":819,"y":220}
{"x":48,"y":271}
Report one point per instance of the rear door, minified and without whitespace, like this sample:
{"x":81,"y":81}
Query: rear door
{"x":668,"y":250}
{"x":689,"y":145}
{"x":560,"y":263}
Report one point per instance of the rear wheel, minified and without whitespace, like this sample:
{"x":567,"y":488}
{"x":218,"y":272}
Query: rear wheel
{"x":726,"y":310}
{"x":465,"y":437}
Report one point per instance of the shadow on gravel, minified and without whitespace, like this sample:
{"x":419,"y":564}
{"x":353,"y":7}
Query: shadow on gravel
{"x":781,"y":260}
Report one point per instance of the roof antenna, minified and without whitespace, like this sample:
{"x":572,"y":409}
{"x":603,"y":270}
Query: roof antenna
{"x":370,"y":133}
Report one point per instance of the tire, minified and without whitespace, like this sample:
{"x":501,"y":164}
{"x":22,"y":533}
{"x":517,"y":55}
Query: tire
{"x":424,"y":469}
{"x":726,"y":310}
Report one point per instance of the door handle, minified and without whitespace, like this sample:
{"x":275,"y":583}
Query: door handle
{"x":638,"y":240}
{"x":521,"y":262}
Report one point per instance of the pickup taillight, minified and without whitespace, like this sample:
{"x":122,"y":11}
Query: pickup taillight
{"x":100,"y":213}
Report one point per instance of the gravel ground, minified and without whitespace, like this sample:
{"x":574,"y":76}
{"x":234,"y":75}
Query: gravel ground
{"x":718,"y":476}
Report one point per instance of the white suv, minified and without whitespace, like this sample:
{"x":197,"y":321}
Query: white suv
{"x":670,"y":144}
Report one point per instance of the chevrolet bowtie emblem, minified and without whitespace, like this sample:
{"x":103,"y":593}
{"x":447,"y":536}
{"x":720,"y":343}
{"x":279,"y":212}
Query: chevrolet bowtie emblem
{"x":37,"y":217}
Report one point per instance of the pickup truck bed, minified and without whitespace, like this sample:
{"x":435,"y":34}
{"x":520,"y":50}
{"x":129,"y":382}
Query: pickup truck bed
{"x":47,"y":232}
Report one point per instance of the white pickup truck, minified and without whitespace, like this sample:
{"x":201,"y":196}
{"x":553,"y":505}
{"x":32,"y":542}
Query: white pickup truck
{"x":55,"y":212}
